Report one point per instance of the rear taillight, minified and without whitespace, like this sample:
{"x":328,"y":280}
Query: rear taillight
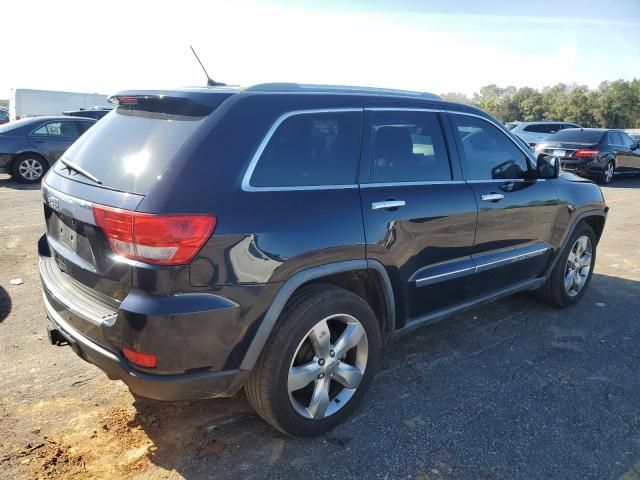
{"x":586,"y":153}
{"x":157,"y":239}
{"x":147,"y":360}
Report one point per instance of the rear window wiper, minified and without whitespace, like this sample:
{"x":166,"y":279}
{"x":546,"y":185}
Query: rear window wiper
{"x":77,"y":168}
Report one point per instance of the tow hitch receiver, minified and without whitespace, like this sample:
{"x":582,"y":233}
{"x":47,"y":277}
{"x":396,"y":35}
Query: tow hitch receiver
{"x":55,"y":337}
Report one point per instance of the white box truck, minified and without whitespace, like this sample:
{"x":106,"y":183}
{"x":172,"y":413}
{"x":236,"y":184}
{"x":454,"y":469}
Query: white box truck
{"x":25,"y":102}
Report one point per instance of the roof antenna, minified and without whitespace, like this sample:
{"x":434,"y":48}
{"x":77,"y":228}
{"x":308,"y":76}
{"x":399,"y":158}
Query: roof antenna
{"x":210,"y":81}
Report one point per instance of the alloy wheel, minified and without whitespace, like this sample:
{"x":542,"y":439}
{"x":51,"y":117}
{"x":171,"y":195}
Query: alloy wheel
{"x":578,"y":266}
{"x":30,"y":169}
{"x":608,"y":172}
{"x":328,"y":366}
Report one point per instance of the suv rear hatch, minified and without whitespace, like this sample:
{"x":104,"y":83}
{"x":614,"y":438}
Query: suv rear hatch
{"x":114,"y":164}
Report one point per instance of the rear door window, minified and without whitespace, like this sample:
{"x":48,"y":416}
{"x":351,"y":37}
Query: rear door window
{"x":541,"y":128}
{"x":311,"y":149}
{"x":57,"y":129}
{"x":408,"y":147}
{"x":614,"y":138}
{"x":129,"y":149}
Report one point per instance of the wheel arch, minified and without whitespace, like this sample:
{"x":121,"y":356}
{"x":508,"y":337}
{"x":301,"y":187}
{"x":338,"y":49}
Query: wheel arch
{"x":366,"y":278}
{"x":594,"y":218}
{"x":27,"y":153}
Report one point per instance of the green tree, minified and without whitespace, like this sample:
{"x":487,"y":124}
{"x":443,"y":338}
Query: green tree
{"x":579,"y":106}
{"x":529,"y":104}
{"x":457,"y":97}
{"x":618,"y":102}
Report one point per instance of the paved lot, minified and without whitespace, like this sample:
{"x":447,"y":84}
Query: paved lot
{"x":514,"y":389}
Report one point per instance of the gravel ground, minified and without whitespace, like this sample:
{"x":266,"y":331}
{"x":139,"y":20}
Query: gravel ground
{"x":513,"y":389}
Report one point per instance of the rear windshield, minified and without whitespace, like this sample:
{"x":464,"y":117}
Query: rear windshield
{"x":576,"y":135}
{"x":129,"y":148}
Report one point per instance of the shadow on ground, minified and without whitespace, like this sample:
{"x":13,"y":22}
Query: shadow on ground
{"x":625,"y":181}
{"x":9,"y":182}
{"x":501,"y":391}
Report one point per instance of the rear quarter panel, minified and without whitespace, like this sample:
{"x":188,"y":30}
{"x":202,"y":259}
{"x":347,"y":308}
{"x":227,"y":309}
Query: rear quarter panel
{"x":579,"y":197}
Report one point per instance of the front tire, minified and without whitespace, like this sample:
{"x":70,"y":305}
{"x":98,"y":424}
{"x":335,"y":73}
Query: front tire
{"x":572,"y":273}
{"x":29,"y":168}
{"x":318,"y":363}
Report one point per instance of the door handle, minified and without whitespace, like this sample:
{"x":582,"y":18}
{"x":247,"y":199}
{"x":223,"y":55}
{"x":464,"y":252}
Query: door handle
{"x":387,"y":204}
{"x":492,"y":197}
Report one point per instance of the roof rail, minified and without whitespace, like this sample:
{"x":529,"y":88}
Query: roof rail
{"x":312,"y":88}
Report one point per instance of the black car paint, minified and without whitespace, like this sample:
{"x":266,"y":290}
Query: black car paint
{"x":215,"y":315}
{"x":626,"y":160}
{"x":19,"y":140}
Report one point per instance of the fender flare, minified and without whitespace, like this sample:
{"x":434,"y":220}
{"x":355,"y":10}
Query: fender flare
{"x":300,"y":278}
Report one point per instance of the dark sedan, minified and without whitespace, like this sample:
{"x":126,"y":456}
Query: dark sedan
{"x":596,"y":153}
{"x":29,"y":147}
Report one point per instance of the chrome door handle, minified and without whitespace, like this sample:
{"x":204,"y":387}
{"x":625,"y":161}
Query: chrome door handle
{"x":492,"y":197}
{"x":388,"y":204}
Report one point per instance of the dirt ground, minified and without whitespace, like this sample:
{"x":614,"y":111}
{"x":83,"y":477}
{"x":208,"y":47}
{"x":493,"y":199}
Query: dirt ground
{"x":513,"y":389}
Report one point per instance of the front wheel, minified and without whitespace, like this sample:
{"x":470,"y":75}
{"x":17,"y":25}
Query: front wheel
{"x":318,"y":363}
{"x":572,"y":273}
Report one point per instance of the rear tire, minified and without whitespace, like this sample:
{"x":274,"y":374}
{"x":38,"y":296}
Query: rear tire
{"x":572,"y":273}
{"x":609,"y":172}
{"x":318,"y":363}
{"x":29,"y":168}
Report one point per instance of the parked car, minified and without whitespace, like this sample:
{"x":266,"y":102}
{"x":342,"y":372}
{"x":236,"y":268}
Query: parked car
{"x":595,"y":153}
{"x":275,"y":237}
{"x":4,"y":116}
{"x":96,"y":112}
{"x":536,"y":132}
{"x":30,"y":146}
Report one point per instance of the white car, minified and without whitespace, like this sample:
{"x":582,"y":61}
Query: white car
{"x":536,"y":132}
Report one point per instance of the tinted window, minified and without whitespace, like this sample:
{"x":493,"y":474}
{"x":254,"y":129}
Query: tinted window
{"x":311,"y":149}
{"x":487,"y":153}
{"x":84,"y":126}
{"x":627,"y":141}
{"x":614,"y":139}
{"x":569,"y":125}
{"x":4,"y":116}
{"x":58,"y":129}
{"x":408,"y":147}
{"x":129,"y":149}
{"x":578,"y":135}
{"x":542,"y":128}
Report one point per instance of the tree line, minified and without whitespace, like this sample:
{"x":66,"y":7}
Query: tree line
{"x":612,"y":105}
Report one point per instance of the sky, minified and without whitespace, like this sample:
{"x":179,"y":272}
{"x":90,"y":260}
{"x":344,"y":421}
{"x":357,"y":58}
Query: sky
{"x":436,"y":46}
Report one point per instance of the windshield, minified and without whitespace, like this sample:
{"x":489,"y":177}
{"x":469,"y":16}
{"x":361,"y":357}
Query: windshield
{"x":576,"y":135}
{"x":129,"y":149}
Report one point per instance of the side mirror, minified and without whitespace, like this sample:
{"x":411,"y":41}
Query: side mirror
{"x":547,"y":166}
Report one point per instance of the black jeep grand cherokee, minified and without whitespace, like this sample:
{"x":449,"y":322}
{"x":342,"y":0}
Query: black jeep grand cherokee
{"x":273,"y":238}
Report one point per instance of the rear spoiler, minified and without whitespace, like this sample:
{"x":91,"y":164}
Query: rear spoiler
{"x":196,"y":103}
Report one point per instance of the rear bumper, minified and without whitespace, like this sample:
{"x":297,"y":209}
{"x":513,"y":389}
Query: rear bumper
{"x":584,"y":169}
{"x":159,"y":387}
